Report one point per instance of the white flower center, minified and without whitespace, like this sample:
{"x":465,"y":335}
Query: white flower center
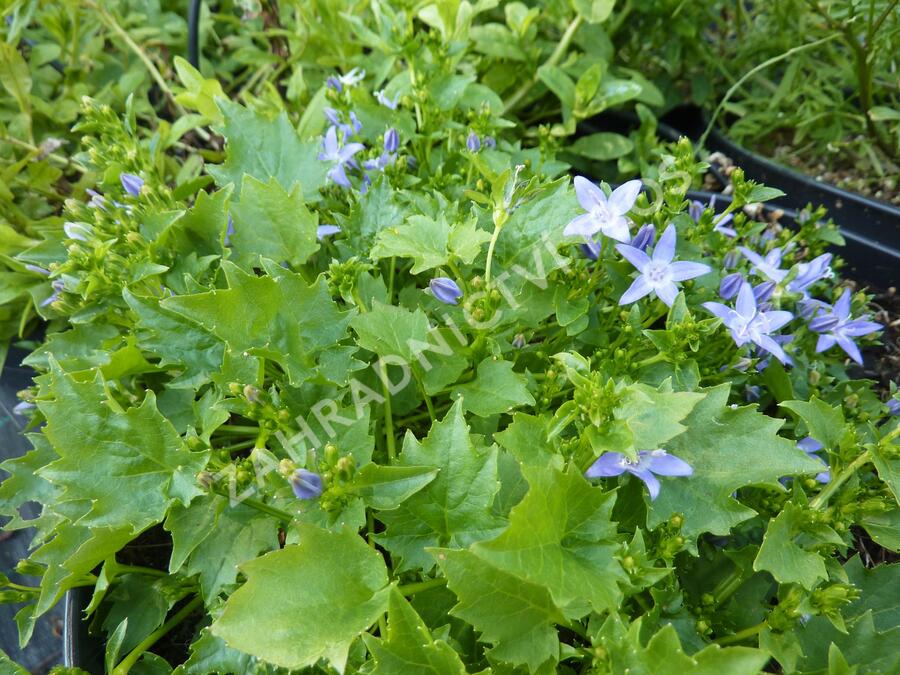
{"x":657,"y":273}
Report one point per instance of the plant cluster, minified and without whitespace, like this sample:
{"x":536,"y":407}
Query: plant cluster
{"x":397,"y":394}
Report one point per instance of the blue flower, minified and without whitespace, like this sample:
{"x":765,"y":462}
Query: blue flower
{"x":720,"y":224}
{"x":391,"y":143}
{"x":811,"y":446}
{"x":731,"y":259}
{"x":768,"y":266}
{"x":382,"y":98}
{"x":696,"y":209}
{"x":347,"y":129}
{"x":306,"y":484}
{"x":606,"y":215}
{"x":326,"y":230}
{"x":79,"y":231}
{"x":747,"y":324}
{"x":339,"y":156}
{"x":811,"y":272}
{"x":58,"y":286}
{"x":391,"y":140}
{"x":649,"y":462}
{"x":446,"y":290}
{"x":658,"y":274}
{"x":490,"y":142}
{"x":644,"y":237}
{"x":229,"y":231}
{"x":836,"y":326}
{"x":730,"y":285}
{"x":350,"y":79}
{"x":38,"y":270}
{"x":591,"y":249}
{"x":763,"y":291}
{"x":132,"y":183}
{"x":22,"y":408}
{"x":893,"y":406}
{"x":473,"y":143}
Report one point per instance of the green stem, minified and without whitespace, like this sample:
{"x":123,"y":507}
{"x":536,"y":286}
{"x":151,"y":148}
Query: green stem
{"x":412,"y":589}
{"x":762,"y":66}
{"x":822,"y":498}
{"x":257,"y":504}
{"x":742,"y":635}
{"x":238,"y":429}
{"x":388,"y":415}
{"x":557,"y":54}
{"x":490,"y":257}
{"x":651,"y":360}
{"x":728,"y":585}
{"x":137,"y":569}
{"x":126,"y":664}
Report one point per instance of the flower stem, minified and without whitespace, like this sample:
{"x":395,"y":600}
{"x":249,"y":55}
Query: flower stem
{"x":490,"y":257}
{"x":412,"y":589}
{"x":126,"y":664}
{"x":822,"y":498}
{"x":742,"y":635}
{"x":557,"y":54}
{"x":388,"y":415}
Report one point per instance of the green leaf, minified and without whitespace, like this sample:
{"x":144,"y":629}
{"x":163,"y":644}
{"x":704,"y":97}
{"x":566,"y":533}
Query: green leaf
{"x":559,"y":83}
{"x":200,"y":93}
{"x":560,"y":537}
{"x":283,"y":318}
{"x":389,"y":330}
{"x":513,"y":615}
{"x":201,"y":229}
{"x":130,"y":466}
{"x":409,"y":646}
{"x":176,"y":341}
{"x":496,"y":389}
{"x":825,"y":423}
{"x":594,"y":11}
{"x":783,"y":558}
{"x":422,"y":238}
{"x":761,"y":193}
{"x":306,"y":602}
{"x":274,"y":223}
{"x":454,"y":508}
{"x":15,"y":76}
{"x":386,"y":487}
{"x":664,"y":654}
{"x":728,"y":449}
{"x":9,"y":667}
{"x":210,"y":654}
{"x":466,"y":240}
{"x":265,"y":149}
{"x":602,"y":146}
{"x":655,"y":416}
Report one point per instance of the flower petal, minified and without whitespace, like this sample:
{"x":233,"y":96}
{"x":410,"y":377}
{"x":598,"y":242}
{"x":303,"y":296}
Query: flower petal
{"x":634,"y":255}
{"x":842,"y":306}
{"x":585,"y":225}
{"x":622,"y":199}
{"x":718,"y":309}
{"x":617,"y":229}
{"x":662,"y":463}
{"x":609,"y":464}
{"x":825,"y":342}
{"x":667,"y":292}
{"x":769,"y":344}
{"x":651,"y":481}
{"x":860,"y":327}
{"x":636,"y":291}
{"x":589,"y":195}
{"x":665,"y":247}
{"x":746,"y":302}
{"x":777,"y":319}
{"x":684,"y":270}
{"x":848,"y":345}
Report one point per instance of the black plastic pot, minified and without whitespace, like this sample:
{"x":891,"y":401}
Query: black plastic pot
{"x":871,"y":227}
{"x":80,"y":648}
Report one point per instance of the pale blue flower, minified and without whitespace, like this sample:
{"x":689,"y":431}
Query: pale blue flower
{"x":78,"y":231}
{"x":347,"y":129}
{"x":350,"y":79}
{"x":382,"y":98}
{"x":644,"y":237}
{"x":893,"y":406}
{"x":339,"y":156}
{"x":747,"y":324}
{"x":730,"y":285}
{"x":811,"y":446}
{"x":490,"y":142}
{"x":811,"y":272}
{"x":473,"y":143}
{"x":659,"y":274}
{"x":606,"y":215}
{"x":837,"y":327}
{"x":446,"y":290}
{"x":38,"y":270}
{"x":306,"y":484}
{"x":132,"y":183}
{"x":591,"y":249}
{"x":649,"y":462}
{"x":326,"y":230}
{"x":768,"y":266}
{"x":58,"y":286}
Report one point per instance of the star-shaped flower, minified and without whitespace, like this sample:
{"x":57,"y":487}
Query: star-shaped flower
{"x":606,"y":215}
{"x":649,"y":462}
{"x":837,"y":327}
{"x":338,"y":155}
{"x":659,"y":274}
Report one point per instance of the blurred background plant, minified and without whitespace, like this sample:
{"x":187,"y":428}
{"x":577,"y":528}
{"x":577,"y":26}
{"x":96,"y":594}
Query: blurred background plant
{"x":831,"y":110}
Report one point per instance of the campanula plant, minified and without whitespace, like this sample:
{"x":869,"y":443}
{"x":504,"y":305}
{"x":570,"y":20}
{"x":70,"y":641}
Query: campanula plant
{"x":396,"y":392}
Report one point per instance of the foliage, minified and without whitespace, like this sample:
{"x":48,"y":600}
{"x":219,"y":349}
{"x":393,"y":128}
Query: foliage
{"x":386,"y":416}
